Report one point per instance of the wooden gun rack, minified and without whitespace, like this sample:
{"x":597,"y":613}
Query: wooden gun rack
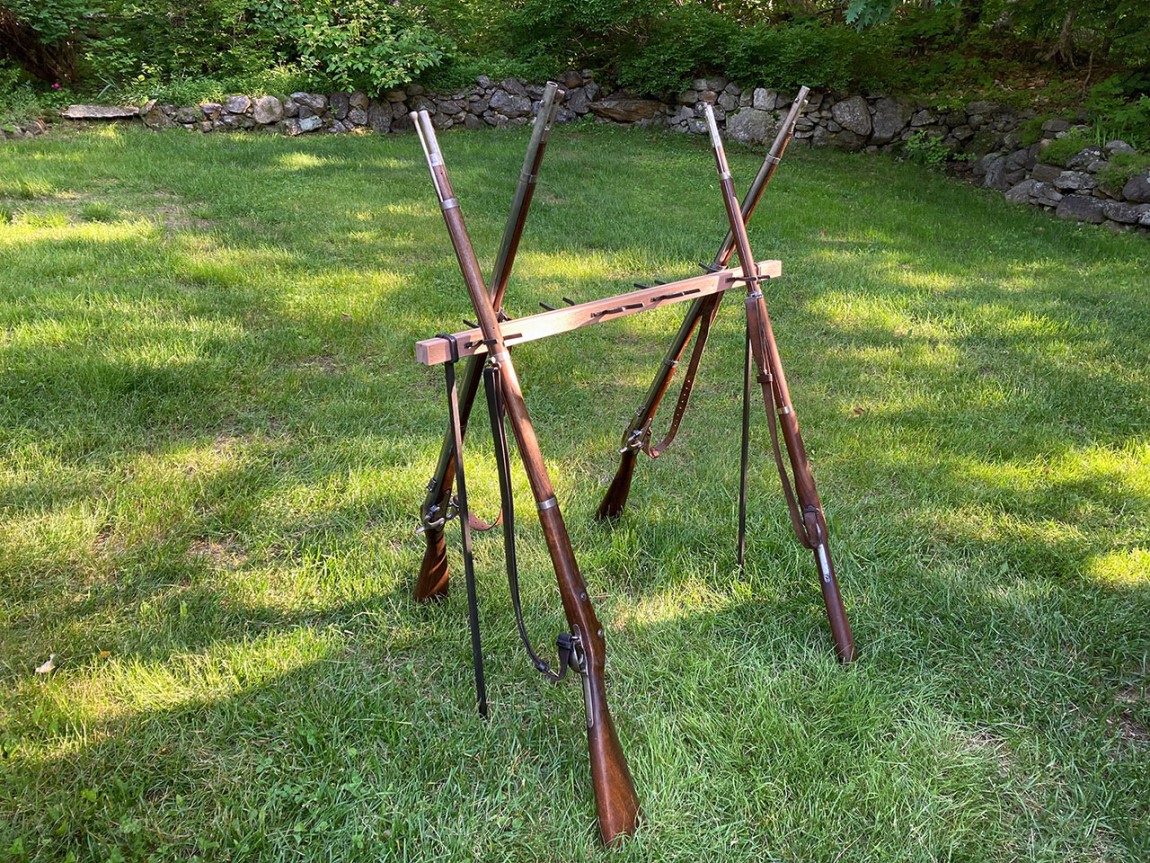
{"x":433,"y":352}
{"x":485,"y":348}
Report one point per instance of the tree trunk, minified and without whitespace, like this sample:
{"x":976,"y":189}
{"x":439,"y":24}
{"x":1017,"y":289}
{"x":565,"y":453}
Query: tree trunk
{"x":55,"y":63}
{"x":1108,"y":39}
{"x":1064,"y":50}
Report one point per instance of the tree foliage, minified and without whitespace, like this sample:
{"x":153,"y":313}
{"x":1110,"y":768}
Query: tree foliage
{"x":652,"y":46}
{"x":369,"y":44}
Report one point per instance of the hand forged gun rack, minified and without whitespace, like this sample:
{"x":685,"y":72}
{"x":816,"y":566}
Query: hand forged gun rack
{"x":486,"y":349}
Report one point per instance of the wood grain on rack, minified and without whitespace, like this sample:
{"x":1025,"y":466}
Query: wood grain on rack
{"x":434,"y":351}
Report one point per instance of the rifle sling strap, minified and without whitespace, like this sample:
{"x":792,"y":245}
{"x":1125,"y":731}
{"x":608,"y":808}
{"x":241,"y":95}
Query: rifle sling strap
{"x":567,"y":658}
{"x":707,"y":316}
{"x":465,"y":526}
{"x":744,"y":451}
{"x":769,"y":392}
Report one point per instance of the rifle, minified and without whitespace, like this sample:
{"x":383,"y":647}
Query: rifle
{"x":436,"y":509}
{"x":616,"y":801}
{"x":701,"y":314}
{"x":803,"y":504}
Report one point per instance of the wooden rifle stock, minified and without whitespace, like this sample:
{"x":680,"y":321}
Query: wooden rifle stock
{"x":616,"y":801}
{"x":803,"y":502}
{"x":615,"y":499}
{"x":637,"y":435}
{"x":433,"y":578}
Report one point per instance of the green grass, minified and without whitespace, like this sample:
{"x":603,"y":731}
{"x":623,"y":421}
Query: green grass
{"x":215,"y":440}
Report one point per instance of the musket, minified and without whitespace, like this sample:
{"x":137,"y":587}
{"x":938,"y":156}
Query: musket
{"x":806,"y":510}
{"x":433,"y":514}
{"x":616,"y":801}
{"x":701,"y":314}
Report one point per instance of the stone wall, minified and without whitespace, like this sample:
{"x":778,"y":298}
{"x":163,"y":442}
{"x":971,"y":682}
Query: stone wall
{"x":27,"y":129}
{"x":986,"y":137}
{"x":1071,"y":189}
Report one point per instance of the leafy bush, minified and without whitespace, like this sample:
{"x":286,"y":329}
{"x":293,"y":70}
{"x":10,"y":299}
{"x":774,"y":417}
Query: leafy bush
{"x":685,"y":42}
{"x":563,"y":34}
{"x":923,"y":148}
{"x":279,"y":81}
{"x":656,"y":47}
{"x":808,"y":53}
{"x":1030,"y":132}
{"x":41,"y":35}
{"x":121,"y":44}
{"x":945,"y":50}
{"x":356,"y":44}
{"x":1120,"y":108}
{"x":19,"y":100}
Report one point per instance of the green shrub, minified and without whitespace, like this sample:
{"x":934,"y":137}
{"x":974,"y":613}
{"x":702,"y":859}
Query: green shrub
{"x":808,"y":53}
{"x":1119,"y":107}
{"x":685,"y":42}
{"x":18,"y":99}
{"x":279,"y":81}
{"x":122,"y":45}
{"x":1062,"y":149}
{"x":1030,"y":132}
{"x":356,"y":44}
{"x":923,"y":148}
{"x":459,"y":71}
{"x":1120,"y":168}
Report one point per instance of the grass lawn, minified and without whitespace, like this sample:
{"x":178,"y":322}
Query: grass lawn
{"x":214,"y":440}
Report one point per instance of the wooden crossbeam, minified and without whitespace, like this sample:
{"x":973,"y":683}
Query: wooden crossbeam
{"x":431,"y":352}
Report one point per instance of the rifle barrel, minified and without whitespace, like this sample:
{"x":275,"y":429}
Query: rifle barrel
{"x":433,"y":578}
{"x":617,"y":803}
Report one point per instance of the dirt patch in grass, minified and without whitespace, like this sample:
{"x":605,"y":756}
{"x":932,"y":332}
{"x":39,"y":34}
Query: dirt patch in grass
{"x":1130,"y":729}
{"x":323,"y":363}
{"x":223,"y":553}
{"x":173,"y":214}
{"x":106,"y":542}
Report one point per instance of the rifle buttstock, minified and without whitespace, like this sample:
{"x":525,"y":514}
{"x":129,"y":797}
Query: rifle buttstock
{"x":615,"y":798}
{"x":433,"y":573}
{"x":616,"y":497}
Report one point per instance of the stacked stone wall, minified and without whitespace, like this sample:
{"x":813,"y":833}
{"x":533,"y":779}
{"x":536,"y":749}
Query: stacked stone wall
{"x":986,"y":138}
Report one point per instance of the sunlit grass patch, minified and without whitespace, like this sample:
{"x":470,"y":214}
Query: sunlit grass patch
{"x":299,"y":161}
{"x":45,"y":218}
{"x":1122,"y":569}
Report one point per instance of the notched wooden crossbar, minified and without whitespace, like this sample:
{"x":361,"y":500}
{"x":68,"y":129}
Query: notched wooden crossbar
{"x":431,"y":352}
